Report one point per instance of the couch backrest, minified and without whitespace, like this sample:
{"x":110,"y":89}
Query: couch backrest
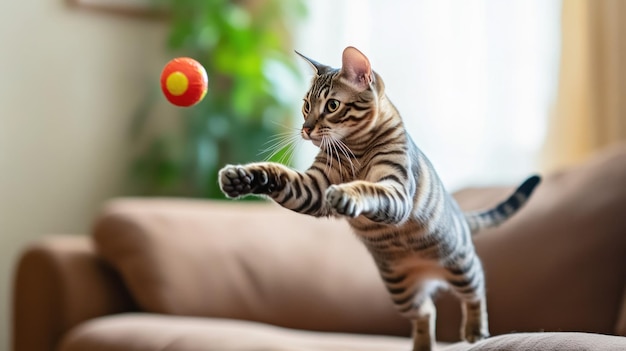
{"x":252,"y":261}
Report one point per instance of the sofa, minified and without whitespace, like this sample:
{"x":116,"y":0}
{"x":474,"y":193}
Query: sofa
{"x":180,"y":274}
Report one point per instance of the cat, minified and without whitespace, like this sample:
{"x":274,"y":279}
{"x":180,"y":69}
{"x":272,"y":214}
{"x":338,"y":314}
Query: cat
{"x":370,"y":171}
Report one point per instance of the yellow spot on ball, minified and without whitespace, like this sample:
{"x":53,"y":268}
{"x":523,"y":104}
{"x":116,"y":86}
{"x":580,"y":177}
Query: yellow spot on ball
{"x":177,"y":83}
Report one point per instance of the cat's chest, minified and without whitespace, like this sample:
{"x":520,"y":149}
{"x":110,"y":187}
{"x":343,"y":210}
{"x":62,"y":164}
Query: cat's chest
{"x":344,"y":167}
{"x":386,"y":237}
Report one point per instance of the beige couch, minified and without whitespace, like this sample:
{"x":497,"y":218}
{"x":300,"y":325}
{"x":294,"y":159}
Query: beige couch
{"x":166,"y":274}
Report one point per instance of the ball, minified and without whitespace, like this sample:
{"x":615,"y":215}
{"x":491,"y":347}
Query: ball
{"x":184,"y":81}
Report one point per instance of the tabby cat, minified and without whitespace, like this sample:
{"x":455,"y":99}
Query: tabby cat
{"x":369,"y":171}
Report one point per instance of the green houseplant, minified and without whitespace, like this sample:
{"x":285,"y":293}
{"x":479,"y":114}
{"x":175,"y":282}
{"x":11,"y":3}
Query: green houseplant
{"x":245,"y":47}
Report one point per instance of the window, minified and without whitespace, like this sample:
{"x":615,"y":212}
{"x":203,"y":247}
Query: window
{"x":474,"y":81}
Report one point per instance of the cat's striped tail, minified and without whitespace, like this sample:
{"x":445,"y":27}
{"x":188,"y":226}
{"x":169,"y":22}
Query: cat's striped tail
{"x":501,"y":212}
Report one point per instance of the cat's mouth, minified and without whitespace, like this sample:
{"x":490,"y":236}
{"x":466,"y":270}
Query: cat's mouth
{"x":316,"y":141}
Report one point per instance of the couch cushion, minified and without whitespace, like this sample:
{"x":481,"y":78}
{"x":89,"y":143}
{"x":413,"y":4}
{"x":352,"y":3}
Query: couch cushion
{"x":152,"y":332}
{"x":144,"y":332}
{"x":245,"y":260}
{"x":564,"y":341}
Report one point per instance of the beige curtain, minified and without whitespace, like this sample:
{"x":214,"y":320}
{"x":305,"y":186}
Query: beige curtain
{"x":590,"y":111}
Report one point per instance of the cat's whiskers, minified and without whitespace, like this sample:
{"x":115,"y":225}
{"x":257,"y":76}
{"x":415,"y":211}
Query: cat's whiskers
{"x":290,"y":151}
{"x":345,"y":150}
{"x":326,"y":145}
{"x":285,"y":141}
{"x":340,"y":147}
{"x":336,"y":152}
{"x":330,"y":144}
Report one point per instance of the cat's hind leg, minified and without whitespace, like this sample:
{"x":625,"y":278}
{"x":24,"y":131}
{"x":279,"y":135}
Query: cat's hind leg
{"x":468,"y":283}
{"x":423,"y":322}
{"x":475,"y":324}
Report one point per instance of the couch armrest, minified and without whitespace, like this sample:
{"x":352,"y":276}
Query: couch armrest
{"x":60,"y":282}
{"x":620,"y":328}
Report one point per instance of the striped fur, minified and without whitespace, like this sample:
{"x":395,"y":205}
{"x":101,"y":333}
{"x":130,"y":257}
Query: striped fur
{"x":370,"y":171}
{"x":478,"y":221}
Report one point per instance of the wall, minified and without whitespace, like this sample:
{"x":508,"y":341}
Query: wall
{"x":69,"y":83}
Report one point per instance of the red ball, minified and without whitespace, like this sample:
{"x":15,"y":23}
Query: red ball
{"x":184,"y":81}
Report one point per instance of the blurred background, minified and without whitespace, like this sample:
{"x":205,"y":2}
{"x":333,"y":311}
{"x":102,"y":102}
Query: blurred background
{"x":490,"y":90}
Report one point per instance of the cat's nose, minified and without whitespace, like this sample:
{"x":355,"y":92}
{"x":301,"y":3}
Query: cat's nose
{"x":308,"y":125}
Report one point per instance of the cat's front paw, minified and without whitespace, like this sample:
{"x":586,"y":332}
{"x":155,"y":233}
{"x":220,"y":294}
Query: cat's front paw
{"x":236,"y":181}
{"x":344,"y":200}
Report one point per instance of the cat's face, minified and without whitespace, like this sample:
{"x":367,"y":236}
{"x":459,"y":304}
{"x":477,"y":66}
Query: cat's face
{"x":341,"y":103}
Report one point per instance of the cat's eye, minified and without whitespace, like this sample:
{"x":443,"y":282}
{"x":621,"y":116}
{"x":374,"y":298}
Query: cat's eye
{"x":332,"y":105}
{"x":306,"y":107}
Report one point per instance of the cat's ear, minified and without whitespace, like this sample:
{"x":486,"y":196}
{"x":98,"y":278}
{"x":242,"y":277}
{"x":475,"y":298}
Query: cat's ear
{"x":356,"y":68}
{"x":318,"y":67}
